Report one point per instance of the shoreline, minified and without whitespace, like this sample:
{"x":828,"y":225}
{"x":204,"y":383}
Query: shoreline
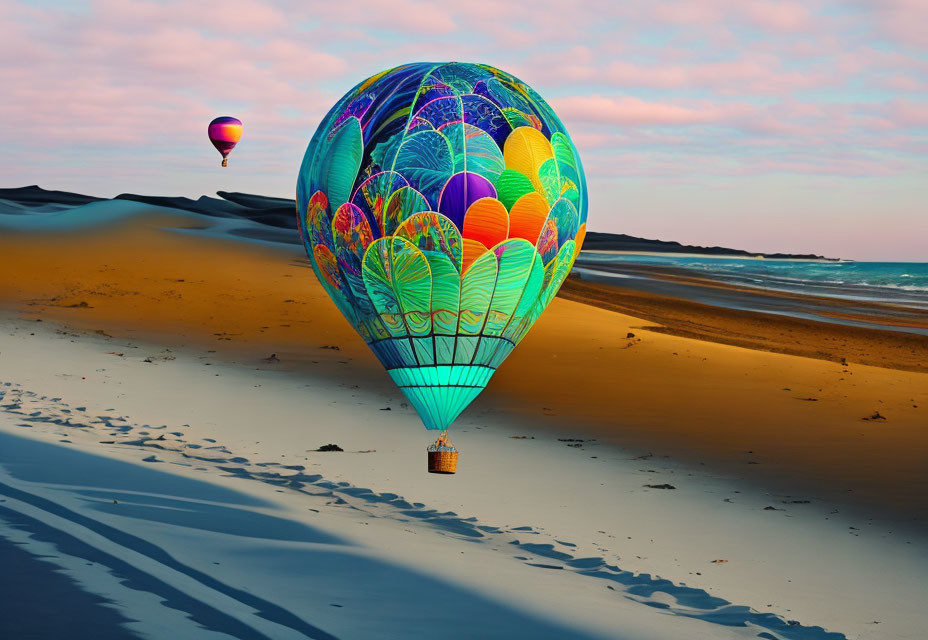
{"x":894,"y":339}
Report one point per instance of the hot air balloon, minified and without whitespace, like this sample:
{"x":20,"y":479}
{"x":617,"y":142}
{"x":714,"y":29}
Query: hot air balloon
{"x":441,"y":206}
{"x":224,"y":133}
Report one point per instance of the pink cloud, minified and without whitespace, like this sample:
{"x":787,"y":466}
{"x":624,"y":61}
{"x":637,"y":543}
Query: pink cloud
{"x":780,"y":16}
{"x":766,"y":14}
{"x":229,"y":16}
{"x":628,"y":110}
{"x":901,"y":20}
{"x":907,"y":113}
{"x":728,"y":87}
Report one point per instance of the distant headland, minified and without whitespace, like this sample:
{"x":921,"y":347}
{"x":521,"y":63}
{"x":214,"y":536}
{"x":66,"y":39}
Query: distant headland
{"x":278,"y":213}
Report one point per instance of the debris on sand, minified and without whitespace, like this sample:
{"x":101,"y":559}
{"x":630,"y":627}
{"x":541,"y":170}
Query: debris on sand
{"x":522,"y":437}
{"x":629,"y":335}
{"x":719,"y":561}
{"x":876,"y":416}
{"x":330,"y":447}
{"x":660,"y":486}
{"x":272,"y":358}
{"x":333,"y":347}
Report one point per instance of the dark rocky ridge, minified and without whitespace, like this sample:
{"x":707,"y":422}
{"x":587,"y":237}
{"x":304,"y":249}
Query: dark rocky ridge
{"x":596,"y":241}
{"x":279,"y":213}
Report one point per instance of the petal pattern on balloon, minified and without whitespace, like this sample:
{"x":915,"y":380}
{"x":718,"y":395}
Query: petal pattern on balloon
{"x":326,"y":267}
{"x":476,"y":292}
{"x":474,"y":150}
{"x":473,"y":249}
{"x":525,"y":151}
{"x":372,"y":194}
{"x":551,"y":182}
{"x":460,"y":76}
{"x":412,"y":282}
{"x":432,"y":232}
{"x":547,"y":241}
{"x":427,"y":161}
{"x":514,"y":265}
{"x":346,"y":149}
{"x":556,"y":272}
{"x":402,"y":204}
{"x":460,"y":192}
{"x":352,"y":235}
{"x":441,"y":111}
{"x":483,"y":114}
{"x":487,"y":222}
{"x":565,"y":221}
{"x":316,"y":226}
{"x":533,"y":286}
{"x":377,"y":275}
{"x":512,"y":185}
{"x":527,"y":217}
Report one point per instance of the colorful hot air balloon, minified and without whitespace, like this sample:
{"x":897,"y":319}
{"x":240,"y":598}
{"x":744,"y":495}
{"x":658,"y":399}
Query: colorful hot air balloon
{"x":224,"y":133}
{"x":441,"y":206}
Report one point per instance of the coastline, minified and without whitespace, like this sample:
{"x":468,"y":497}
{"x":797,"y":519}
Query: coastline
{"x":713,"y":256}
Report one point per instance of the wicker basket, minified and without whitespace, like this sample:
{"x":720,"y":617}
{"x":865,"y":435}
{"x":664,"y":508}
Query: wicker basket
{"x":443,"y":461}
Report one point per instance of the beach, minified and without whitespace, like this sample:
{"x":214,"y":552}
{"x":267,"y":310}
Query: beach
{"x":188,"y":364}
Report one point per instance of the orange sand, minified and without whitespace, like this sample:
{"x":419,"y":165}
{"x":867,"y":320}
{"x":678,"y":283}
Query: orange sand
{"x":798,"y":420}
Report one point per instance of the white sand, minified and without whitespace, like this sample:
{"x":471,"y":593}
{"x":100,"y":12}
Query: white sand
{"x":398,"y":569}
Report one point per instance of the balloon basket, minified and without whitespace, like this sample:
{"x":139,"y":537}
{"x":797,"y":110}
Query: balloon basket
{"x":443,"y":457}
{"x":225,"y":162}
{"x":443,"y":461}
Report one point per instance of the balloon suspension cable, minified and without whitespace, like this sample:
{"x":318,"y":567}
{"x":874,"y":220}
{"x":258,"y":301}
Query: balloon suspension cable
{"x":443,"y":442}
{"x":225,"y":162}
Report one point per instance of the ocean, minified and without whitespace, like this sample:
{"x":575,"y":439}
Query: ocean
{"x":901,"y":283}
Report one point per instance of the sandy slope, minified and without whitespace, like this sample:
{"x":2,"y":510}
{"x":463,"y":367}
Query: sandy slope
{"x":531,"y":535}
{"x":185,"y":322}
{"x":802,"y":418}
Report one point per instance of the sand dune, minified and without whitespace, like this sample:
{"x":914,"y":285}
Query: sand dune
{"x":145,"y":339}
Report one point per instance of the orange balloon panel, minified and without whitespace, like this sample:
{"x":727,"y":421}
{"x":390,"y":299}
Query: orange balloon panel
{"x":487,"y":222}
{"x":527,"y":217}
{"x":472,"y":250}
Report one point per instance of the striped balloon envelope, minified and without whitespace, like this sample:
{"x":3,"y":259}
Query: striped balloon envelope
{"x":441,"y":206}
{"x":225,"y":132}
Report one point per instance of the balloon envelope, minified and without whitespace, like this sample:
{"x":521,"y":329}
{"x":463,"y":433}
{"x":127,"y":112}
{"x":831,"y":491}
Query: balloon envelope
{"x":441,"y":206}
{"x":224,"y":132}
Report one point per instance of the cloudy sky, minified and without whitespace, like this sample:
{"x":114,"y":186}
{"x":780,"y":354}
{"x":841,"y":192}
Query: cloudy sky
{"x":769,"y":126}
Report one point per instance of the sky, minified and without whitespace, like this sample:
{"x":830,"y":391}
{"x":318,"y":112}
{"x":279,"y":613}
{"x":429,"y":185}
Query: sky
{"x":768,"y":126}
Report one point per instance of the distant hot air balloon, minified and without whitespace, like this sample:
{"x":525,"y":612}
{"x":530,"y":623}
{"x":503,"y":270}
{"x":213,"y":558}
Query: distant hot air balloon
{"x":224,"y":132}
{"x":442,"y":206}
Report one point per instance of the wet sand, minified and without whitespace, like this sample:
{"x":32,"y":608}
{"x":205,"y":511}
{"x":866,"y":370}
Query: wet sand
{"x":728,"y":314}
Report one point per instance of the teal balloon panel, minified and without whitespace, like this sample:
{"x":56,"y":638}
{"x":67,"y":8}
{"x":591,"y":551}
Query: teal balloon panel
{"x":441,"y":206}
